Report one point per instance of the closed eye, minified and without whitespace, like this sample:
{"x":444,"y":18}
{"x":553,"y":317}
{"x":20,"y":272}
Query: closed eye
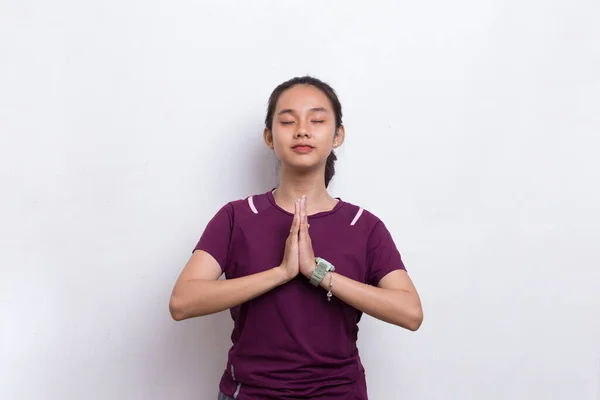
{"x":318,"y":122}
{"x":287,"y":122}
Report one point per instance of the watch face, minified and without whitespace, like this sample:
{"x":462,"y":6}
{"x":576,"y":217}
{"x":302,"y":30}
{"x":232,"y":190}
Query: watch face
{"x":323,"y":266}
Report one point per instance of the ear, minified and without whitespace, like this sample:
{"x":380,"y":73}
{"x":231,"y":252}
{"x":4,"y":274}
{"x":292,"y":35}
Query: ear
{"x":268,"y":136}
{"x":339,"y":137}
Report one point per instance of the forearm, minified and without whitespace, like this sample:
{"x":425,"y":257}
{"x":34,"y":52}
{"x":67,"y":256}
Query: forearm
{"x":197,"y":297}
{"x":395,"y":306}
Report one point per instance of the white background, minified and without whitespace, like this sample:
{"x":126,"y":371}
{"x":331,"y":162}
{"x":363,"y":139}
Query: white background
{"x":472,"y":131}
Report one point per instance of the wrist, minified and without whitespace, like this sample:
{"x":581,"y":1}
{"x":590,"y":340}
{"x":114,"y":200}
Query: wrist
{"x":308,"y":273}
{"x":325,"y":282}
{"x":322,"y":268}
{"x":282,"y":275}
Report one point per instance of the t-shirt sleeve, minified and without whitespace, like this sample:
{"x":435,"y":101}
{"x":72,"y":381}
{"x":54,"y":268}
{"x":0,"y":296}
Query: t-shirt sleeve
{"x":217,"y":235}
{"x":383,"y":257}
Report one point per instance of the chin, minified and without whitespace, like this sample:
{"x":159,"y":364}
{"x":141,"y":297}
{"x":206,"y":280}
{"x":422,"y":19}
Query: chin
{"x":307,"y":164}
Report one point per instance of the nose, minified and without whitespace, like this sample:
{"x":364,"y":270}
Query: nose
{"x":302,"y":130}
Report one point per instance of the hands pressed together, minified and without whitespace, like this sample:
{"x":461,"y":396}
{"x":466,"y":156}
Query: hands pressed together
{"x":394,"y":299}
{"x":299,"y":256}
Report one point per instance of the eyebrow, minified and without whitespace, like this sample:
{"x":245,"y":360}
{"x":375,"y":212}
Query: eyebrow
{"x":290,"y":111}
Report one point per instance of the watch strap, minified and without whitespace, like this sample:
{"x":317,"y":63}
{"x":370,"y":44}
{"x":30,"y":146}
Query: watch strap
{"x":322,"y":268}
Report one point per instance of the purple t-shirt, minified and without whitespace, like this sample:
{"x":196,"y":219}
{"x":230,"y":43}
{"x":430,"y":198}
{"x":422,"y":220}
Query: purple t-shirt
{"x":291,"y":342}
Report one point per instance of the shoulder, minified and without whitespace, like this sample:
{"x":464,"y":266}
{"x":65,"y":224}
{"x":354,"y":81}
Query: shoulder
{"x":245,"y":207}
{"x":360,"y":218}
{"x":377,"y":235}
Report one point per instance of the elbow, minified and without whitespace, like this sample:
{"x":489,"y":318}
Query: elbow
{"x":416,"y":320}
{"x":176,"y":309}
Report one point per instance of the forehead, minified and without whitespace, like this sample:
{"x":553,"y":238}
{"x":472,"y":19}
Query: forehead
{"x":303,"y":97}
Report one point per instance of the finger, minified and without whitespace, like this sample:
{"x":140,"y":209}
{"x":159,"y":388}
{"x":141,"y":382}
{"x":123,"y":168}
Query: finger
{"x":296,"y":222}
{"x":299,"y":222}
{"x":293,"y":220}
{"x":302,"y":219}
{"x":305,"y":217}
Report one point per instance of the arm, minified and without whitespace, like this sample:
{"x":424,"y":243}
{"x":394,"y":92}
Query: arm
{"x":394,"y":300}
{"x":198,"y":291}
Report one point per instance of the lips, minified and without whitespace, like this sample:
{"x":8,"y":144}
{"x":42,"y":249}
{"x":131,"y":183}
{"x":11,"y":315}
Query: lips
{"x":302,"y":148}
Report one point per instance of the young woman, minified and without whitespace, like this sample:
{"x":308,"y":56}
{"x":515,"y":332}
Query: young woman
{"x":301,"y":266}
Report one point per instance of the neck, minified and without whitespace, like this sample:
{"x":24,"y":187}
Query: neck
{"x":312,"y":184}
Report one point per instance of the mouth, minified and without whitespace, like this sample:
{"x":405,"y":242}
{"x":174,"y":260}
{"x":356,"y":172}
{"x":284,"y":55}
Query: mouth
{"x":303,"y":149}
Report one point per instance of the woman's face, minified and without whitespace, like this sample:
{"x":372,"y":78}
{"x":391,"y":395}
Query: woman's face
{"x":303,"y":131}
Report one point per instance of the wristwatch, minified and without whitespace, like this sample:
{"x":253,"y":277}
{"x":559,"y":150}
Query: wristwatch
{"x":323,"y":267}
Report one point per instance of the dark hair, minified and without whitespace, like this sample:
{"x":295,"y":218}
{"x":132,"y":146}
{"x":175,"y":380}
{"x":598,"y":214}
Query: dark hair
{"x":331,"y":95}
